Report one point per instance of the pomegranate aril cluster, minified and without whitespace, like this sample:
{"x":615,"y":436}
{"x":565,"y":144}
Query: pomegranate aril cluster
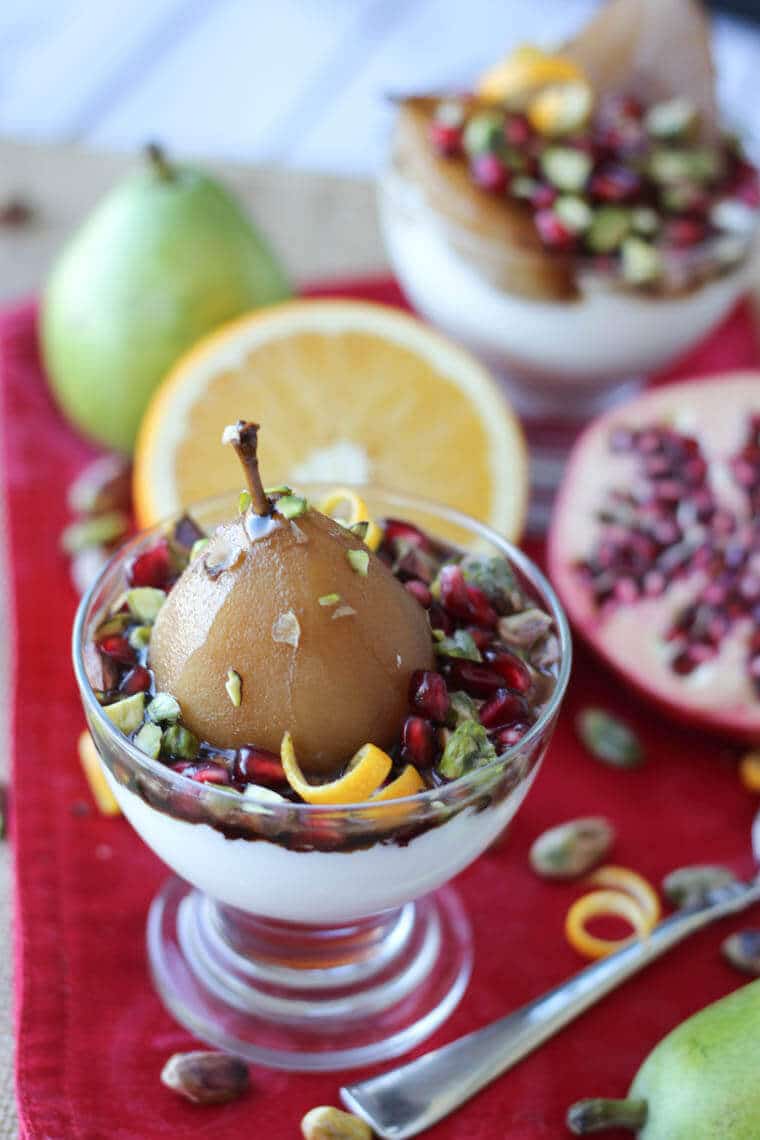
{"x":481,"y":698}
{"x":669,"y":526}
{"x":627,"y":189}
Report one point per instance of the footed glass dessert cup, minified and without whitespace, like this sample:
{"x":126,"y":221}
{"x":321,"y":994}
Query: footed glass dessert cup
{"x":313,"y":937}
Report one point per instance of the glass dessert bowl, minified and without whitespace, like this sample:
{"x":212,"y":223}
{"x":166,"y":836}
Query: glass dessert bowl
{"x":576,"y":229}
{"x":308,"y":935}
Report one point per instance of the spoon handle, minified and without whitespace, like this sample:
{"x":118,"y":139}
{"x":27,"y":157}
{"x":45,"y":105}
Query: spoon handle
{"x":405,"y":1100}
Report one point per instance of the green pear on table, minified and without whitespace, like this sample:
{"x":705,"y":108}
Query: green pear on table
{"x":167,"y":256}
{"x":699,"y":1083}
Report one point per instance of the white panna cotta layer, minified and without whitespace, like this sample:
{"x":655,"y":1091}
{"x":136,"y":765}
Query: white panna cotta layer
{"x":605,"y":335}
{"x":316,"y":887}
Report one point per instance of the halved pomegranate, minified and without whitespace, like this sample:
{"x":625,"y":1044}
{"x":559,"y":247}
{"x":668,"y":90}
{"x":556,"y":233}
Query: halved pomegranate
{"x":654,"y":548}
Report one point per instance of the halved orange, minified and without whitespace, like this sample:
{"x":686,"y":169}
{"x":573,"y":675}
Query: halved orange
{"x":345,"y":391}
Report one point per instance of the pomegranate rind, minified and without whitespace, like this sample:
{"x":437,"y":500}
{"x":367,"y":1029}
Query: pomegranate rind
{"x":718,"y":696}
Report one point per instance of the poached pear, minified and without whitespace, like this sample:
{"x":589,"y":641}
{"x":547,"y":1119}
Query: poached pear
{"x":167,"y":256}
{"x":699,"y":1083}
{"x":287,"y":622}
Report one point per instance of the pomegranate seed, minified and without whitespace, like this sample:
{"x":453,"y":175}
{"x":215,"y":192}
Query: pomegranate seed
{"x":477,"y":680}
{"x":490,"y":173}
{"x":428,"y":694}
{"x":208,"y":774}
{"x":481,"y":637}
{"x":517,"y":130}
{"x":439,"y":619}
{"x":453,"y":587}
{"x":118,"y":648}
{"x":503,"y":708}
{"x":614,"y":184}
{"x":396,"y":528}
{"x":138,"y":680}
{"x":152,"y":567}
{"x":258,"y":766}
{"x":446,"y":138}
{"x":506,"y":737}
{"x":481,"y":612}
{"x":512,"y":668}
{"x":553,"y":231}
{"x":684,"y":232}
{"x":543,"y":197}
{"x":747,"y":188}
{"x":418,"y":742}
{"x":419,"y":591}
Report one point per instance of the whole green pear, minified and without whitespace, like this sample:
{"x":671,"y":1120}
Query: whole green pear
{"x":166,"y":257}
{"x":699,"y":1083}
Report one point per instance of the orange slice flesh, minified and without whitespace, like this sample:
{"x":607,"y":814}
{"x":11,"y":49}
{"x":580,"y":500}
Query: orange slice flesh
{"x":595,"y":904}
{"x":91,"y":765}
{"x":366,"y":772}
{"x":346,"y":392}
{"x":525,"y":71}
{"x":354,"y":510}
{"x":408,"y":783}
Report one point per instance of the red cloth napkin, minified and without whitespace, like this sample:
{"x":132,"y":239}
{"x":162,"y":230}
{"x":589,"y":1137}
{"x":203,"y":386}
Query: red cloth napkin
{"x":93,"y":1036}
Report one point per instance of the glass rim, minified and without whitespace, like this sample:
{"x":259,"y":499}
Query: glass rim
{"x":430,"y":796}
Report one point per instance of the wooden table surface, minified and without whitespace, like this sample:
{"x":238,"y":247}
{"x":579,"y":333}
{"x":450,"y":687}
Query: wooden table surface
{"x":322,"y":225}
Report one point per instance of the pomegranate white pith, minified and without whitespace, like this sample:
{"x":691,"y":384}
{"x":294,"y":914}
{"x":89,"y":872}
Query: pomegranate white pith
{"x":708,"y":673}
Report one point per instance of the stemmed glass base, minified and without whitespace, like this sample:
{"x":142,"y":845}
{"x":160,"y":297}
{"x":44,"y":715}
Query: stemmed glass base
{"x":308,"y":998}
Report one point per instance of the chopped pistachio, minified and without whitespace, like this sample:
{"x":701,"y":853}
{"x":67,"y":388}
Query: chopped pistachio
{"x":206,"y":1078}
{"x":438,"y":635}
{"x":742,"y":951}
{"x":117,"y":623}
{"x":244,"y":501}
{"x":163,"y":709}
{"x":671,"y":119}
{"x":359,"y":529}
{"x":100,"y":530}
{"x":234,"y":687}
{"x":263,"y":795}
{"x":495,"y":577}
{"x":641,"y":261}
{"x":148,"y":740}
{"x":179,"y":742}
{"x":343,"y":611}
{"x":292,"y":506}
{"x":609,"y":739}
{"x":198,"y":547}
{"x":468,"y":747}
{"x":609,"y":228}
{"x":484,"y":132}
{"x":461,"y":707}
{"x":286,"y":629}
{"x":283,"y":489}
{"x":571,"y":849}
{"x":566,"y":168}
{"x":328,"y":1123}
{"x":693,"y":885}
{"x":523,"y":629}
{"x":645,"y":221}
{"x":359,"y":561}
{"x":329,"y":599}
{"x":144,"y":602}
{"x":460,"y":644}
{"x":574,"y":212}
{"x":103,"y":485}
{"x":139,"y":636}
{"x":128,"y":713}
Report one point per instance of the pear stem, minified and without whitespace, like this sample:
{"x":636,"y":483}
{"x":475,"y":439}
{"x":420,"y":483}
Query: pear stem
{"x":156,"y":156}
{"x":244,"y":439}
{"x":597,"y":1115}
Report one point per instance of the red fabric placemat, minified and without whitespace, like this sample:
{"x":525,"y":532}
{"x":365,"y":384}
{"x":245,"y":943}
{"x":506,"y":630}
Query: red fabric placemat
{"x":92,"y":1036}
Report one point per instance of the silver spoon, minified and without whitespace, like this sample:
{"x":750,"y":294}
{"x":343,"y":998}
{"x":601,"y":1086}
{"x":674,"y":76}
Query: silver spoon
{"x":412,"y":1097}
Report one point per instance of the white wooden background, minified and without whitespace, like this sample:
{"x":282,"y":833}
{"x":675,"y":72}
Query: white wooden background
{"x":294,"y":81}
